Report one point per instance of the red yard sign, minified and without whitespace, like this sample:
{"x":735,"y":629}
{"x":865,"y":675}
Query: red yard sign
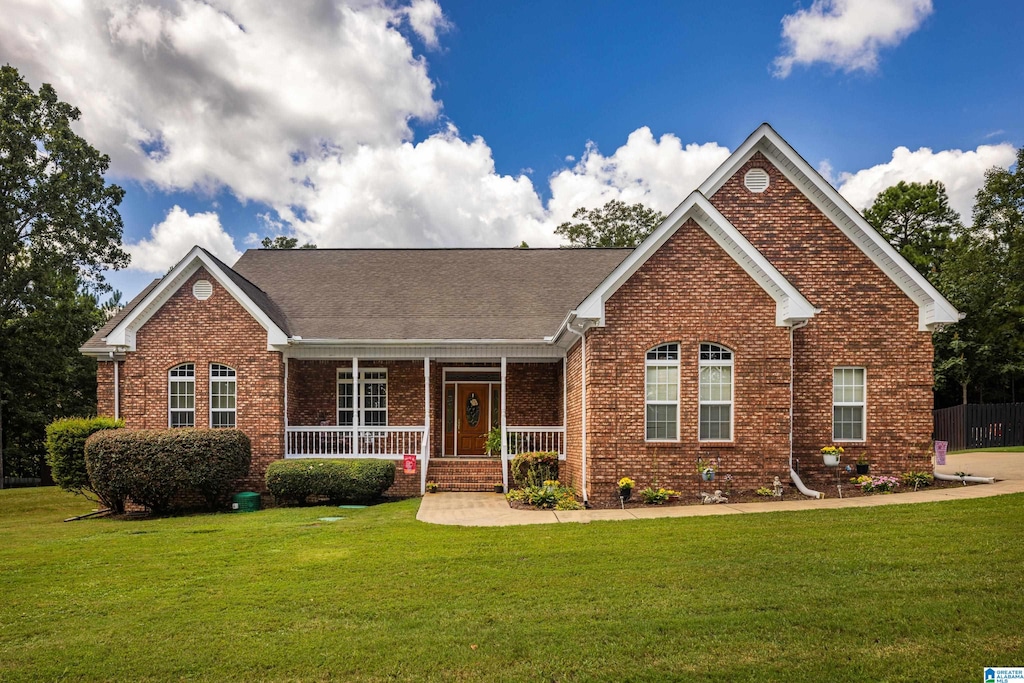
{"x":410,"y":464}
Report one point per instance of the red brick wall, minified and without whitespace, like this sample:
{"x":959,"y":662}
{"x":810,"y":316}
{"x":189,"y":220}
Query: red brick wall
{"x":217,"y":330}
{"x":313,"y":392}
{"x":105,"y":387}
{"x":533,"y":396}
{"x":866,"y":320}
{"x":571,"y":470}
{"x":689,"y":292}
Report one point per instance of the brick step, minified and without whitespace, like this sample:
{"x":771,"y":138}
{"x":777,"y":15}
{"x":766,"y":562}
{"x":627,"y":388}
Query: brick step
{"x":464,"y":475}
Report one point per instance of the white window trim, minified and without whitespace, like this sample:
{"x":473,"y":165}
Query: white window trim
{"x":191,"y":379}
{"x":648,"y":363}
{"x":234,"y":380}
{"x":355,"y":399}
{"x":731,"y":364}
{"x":862,"y":404}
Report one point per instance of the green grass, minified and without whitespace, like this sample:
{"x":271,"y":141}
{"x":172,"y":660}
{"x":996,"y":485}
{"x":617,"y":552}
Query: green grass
{"x":1000,"y":449}
{"x":896,"y":593}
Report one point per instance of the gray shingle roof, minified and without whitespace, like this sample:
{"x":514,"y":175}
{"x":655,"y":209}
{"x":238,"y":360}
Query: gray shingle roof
{"x":95,"y":342}
{"x":366,"y":294}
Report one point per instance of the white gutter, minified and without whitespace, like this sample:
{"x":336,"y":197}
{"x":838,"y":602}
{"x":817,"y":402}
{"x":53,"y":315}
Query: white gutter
{"x":963,"y":478}
{"x":583,"y":403}
{"x":117,"y":387}
{"x":811,"y":493}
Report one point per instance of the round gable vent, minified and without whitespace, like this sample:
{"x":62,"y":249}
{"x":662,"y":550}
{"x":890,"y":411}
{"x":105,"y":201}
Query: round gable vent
{"x":202,"y":290}
{"x":756,"y":180}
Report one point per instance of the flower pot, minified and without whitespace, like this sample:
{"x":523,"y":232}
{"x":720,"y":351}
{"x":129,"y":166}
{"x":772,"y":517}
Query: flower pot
{"x":830,"y":460}
{"x":708,"y":475}
{"x":498,"y":488}
{"x":863,"y":468}
{"x":626,"y":494}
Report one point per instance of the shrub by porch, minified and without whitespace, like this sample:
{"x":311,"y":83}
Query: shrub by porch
{"x":336,"y":481}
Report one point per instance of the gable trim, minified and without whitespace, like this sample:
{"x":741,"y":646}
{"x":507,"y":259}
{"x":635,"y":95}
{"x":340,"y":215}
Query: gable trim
{"x":790,"y":306}
{"x":933,"y":309}
{"x":123,"y":334}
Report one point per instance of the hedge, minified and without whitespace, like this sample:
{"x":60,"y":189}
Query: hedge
{"x":155,"y":466}
{"x":533,"y":469}
{"x":65,"y":450}
{"x":339,"y":481}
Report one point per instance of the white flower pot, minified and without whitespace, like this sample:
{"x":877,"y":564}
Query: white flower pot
{"x":830,"y":460}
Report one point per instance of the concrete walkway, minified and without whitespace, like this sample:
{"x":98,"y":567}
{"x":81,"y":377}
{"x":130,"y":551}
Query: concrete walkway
{"x":490,"y":509}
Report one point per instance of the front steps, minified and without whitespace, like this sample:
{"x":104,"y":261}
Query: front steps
{"x":464,"y":474}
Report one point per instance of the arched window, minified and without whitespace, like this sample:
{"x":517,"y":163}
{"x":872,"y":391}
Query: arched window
{"x":181,"y":391}
{"x":715,"y":393}
{"x":662,"y":384}
{"x":222,"y":395}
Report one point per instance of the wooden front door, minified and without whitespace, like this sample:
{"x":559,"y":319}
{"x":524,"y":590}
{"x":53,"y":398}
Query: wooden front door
{"x":472,"y":417}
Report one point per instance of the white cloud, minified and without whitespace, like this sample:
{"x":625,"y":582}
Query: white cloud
{"x":963,"y":174}
{"x":847,"y":34}
{"x":427,"y":20}
{"x":660,"y":173}
{"x":171,"y":239}
{"x":226,"y":93}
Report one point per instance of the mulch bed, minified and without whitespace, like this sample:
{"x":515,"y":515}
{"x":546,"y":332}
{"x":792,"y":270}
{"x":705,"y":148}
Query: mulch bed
{"x":826,"y":485}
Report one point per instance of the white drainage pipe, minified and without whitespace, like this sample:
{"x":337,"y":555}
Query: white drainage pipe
{"x":956,"y":477}
{"x":802,"y":488}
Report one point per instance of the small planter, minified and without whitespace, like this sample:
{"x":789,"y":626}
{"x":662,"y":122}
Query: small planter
{"x":432,"y":488}
{"x":830,"y":460}
{"x":708,"y":475}
{"x":626,"y":493}
{"x":498,"y":488}
{"x":863,"y":468}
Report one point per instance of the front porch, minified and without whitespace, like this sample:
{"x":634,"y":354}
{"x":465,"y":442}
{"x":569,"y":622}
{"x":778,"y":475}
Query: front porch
{"x":432,"y":409}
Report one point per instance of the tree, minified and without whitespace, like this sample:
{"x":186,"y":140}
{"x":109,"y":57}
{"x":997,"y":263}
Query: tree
{"x":616,"y":224}
{"x":59,"y":231}
{"x":917,"y":220}
{"x":282,"y":242}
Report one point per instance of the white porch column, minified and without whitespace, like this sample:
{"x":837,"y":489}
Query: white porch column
{"x":286,"y":453}
{"x":357,"y":414}
{"x":425,"y":448}
{"x":565,"y":408}
{"x":504,"y":438}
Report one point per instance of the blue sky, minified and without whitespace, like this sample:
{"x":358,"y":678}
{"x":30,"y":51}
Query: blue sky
{"x":463,"y":123}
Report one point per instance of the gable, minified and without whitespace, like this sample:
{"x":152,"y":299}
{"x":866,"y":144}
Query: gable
{"x":790,"y":305}
{"x":933,"y":309}
{"x":123,"y":334}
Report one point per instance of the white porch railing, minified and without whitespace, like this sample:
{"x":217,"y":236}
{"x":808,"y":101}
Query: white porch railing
{"x":531,"y":439}
{"x":350,"y":442}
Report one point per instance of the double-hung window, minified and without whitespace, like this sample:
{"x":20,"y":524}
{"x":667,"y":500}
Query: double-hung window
{"x":373,"y":398}
{"x":662,"y":384}
{"x":181,"y":390}
{"x":715,"y":393}
{"x":222,"y":395}
{"x":848,"y":404}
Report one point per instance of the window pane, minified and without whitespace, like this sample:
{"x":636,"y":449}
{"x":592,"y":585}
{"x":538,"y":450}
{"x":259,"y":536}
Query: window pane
{"x":223,"y":419}
{"x":345,"y":418}
{"x":180,"y":418}
{"x":847,"y":422}
{"x":715,"y":422}
{"x":716,"y":383}
{"x":662,"y":383}
{"x":661,"y":422}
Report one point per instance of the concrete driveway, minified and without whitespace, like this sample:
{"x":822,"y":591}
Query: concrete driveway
{"x":998,"y":465}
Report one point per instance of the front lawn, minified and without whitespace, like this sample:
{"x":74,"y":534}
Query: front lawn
{"x":896,"y":593}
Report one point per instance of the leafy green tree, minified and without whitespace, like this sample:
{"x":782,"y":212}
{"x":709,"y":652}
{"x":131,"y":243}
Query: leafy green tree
{"x":616,"y":224}
{"x":917,"y":220}
{"x":282,"y":242}
{"x":59,"y":231}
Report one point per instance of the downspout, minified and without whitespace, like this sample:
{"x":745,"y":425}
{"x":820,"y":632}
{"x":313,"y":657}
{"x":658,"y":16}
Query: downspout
{"x":117,"y":387}
{"x":811,"y":493}
{"x":583,"y":405}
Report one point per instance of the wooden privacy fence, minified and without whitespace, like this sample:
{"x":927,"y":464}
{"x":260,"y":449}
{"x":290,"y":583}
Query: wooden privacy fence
{"x":980,"y":426}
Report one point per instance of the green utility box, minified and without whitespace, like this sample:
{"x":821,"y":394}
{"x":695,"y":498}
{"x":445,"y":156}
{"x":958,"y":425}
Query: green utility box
{"x":245,"y":502}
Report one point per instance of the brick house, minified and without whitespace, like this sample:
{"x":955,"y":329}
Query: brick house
{"x":761,"y":321}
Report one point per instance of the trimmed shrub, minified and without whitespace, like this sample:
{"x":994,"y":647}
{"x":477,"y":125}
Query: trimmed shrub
{"x":65,"y":450}
{"x":533,"y":469}
{"x":339,"y":481}
{"x":155,"y":466}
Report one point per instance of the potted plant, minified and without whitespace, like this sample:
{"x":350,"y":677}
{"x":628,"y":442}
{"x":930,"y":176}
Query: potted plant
{"x":499,"y":488}
{"x":862,"y":464}
{"x":831,"y":455}
{"x":431,"y":487}
{"x":706,"y":471}
{"x":626,"y":488}
{"x":493,"y":443}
